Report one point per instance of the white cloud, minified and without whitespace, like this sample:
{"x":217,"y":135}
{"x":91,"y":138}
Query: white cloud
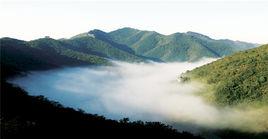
{"x":141,"y":92}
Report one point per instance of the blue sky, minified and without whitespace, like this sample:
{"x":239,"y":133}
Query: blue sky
{"x":245,"y":20}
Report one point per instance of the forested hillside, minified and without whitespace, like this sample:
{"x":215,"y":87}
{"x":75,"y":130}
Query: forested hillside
{"x":91,"y":45}
{"x":20,"y":56}
{"x":236,"y":79}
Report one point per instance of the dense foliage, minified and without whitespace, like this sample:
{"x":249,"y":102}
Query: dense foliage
{"x":236,"y":79}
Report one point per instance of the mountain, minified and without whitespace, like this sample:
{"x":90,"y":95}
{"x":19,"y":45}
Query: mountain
{"x":97,"y":43}
{"x":45,"y":53}
{"x":49,"y":45}
{"x":19,"y":56}
{"x":240,"y":78}
{"x":188,"y":46}
{"x":100,"y":42}
{"x":126,"y":44}
{"x":87,"y":46}
{"x":100,"y":35}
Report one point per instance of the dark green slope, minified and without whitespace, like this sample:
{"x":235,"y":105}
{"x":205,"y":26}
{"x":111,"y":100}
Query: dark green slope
{"x":140,"y":41}
{"x":237,"y":79}
{"x":46,"y":53}
{"x":103,"y":47}
{"x":128,"y":53}
{"x":180,"y":47}
{"x":49,"y":45}
{"x":188,"y":46}
{"x":103,"y":36}
{"x":20,"y":56}
{"x":126,"y":35}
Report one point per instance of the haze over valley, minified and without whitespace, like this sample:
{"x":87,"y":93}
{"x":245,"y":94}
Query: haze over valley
{"x":140,"y":91}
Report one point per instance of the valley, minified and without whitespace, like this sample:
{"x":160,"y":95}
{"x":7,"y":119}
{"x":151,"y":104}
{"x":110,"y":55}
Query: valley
{"x":102,"y":74}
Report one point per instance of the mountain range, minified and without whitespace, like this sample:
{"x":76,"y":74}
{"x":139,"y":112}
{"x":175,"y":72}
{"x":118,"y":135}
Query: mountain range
{"x":240,"y":78}
{"x":188,"y":46}
{"x":96,"y":47}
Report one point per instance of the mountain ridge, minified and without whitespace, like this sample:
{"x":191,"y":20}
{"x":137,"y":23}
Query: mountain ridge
{"x":173,"y":47}
{"x":133,"y":45}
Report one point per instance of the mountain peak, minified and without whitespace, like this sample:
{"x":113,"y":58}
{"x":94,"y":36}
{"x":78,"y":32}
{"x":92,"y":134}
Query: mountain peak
{"x":99,"y":34}
{"x":126,"y":29}
{"x":195,"y":34}
{"x":96,"y":31}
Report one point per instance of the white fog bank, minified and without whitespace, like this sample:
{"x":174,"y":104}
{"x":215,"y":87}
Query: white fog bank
{"x":143,"y":91}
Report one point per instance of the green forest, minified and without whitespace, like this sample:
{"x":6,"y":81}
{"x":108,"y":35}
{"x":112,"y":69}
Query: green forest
{"x":237,"y":79}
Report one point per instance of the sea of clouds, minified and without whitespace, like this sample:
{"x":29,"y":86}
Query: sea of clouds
{"x":139,"y":91}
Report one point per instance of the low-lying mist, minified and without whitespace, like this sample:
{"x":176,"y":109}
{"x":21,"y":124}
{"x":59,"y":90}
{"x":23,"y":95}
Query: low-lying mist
{"x":141,"y":91}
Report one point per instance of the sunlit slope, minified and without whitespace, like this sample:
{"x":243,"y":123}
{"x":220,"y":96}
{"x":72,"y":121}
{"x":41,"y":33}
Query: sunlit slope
{"x":188,"y":46}
{"x":241,"y":78}
{"x":101,"y":43}
{"x":97,"y":42}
